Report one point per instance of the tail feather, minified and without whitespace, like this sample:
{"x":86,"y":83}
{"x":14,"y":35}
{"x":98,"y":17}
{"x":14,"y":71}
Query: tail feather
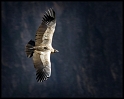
{"x":29,"y":48}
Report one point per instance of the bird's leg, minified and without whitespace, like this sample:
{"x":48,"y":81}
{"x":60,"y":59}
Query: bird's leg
{"x":32,"y":48}
{"x":36,"y":48}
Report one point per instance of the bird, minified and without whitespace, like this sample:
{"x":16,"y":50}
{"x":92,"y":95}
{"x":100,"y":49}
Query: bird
{"x":41,"y":49}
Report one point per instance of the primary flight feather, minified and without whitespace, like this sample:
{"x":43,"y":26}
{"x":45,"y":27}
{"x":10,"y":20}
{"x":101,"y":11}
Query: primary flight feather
{"x":41,"y":48}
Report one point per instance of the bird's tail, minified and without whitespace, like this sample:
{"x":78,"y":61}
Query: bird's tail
{"x":29,"y":48}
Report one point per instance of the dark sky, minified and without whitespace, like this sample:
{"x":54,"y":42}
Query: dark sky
{"x":88,"y":36}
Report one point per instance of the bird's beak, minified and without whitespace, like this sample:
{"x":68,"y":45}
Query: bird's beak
{"x":56,"y":51}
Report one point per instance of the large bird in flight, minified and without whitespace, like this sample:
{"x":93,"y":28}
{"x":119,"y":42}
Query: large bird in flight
{"x":41,"y":48}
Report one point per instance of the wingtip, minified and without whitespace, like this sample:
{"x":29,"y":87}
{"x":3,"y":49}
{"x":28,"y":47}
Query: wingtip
{"x":42,"y":74}
{"x":48,"y":16}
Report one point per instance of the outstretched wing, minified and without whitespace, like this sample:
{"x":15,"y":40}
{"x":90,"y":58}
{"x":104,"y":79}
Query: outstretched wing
{"x":45,"y":31}
{"x":42,"y":65}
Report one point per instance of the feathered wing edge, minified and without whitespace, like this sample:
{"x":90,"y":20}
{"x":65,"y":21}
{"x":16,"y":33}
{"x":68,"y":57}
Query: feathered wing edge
{"x":49,"y":16}
{"x":43,"y":74}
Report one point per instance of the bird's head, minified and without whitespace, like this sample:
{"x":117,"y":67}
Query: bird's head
{"x":55,"y":51}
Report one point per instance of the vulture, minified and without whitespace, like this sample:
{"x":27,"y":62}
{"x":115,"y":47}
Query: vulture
{"x":41,"y":49}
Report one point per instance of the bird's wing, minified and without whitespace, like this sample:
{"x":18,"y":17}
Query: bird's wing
{"x":42,"y":65}
{"x":45,"y":31}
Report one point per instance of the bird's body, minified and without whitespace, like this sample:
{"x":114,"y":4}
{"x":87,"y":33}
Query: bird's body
{"x":42,"y":48}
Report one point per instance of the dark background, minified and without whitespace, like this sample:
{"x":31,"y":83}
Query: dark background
{"x":88,"y":36}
